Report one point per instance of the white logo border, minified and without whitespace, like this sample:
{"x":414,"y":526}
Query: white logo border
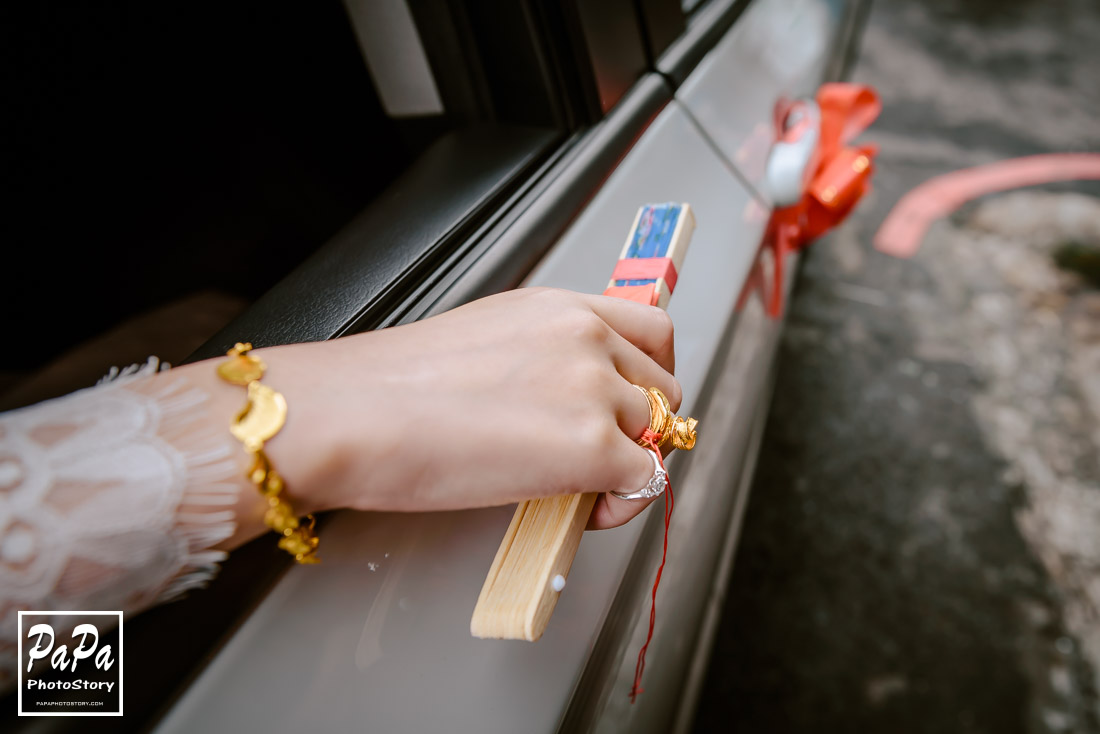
{"x":19,"y":658}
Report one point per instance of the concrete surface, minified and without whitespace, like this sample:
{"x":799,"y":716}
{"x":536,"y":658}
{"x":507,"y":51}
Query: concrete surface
{"x":921,"y":552}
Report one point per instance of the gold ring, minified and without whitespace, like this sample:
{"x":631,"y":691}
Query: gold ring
{"x":681,"y":431}
{"x":656,"y":420}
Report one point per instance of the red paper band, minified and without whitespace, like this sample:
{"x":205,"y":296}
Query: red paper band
{"x":646,"y":294}
{"x":646,"y":268}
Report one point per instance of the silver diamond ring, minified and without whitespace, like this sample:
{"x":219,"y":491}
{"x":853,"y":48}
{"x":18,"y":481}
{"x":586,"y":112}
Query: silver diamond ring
{"x":655,"y":487}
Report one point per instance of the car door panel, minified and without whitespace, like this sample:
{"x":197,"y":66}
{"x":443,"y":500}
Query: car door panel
{"x":782,"y":46}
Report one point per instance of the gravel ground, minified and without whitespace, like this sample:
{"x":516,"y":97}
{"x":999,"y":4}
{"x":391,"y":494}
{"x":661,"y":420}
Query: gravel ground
{"x":921,"y":552}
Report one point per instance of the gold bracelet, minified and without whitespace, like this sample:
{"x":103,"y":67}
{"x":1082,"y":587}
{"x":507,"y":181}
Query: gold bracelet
{"x":261,"y":418}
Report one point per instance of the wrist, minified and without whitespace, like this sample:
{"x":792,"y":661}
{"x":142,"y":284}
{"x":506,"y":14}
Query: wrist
{"x":280,"y":465}
{"x":337,"y":447}
{"x":308,"y":452}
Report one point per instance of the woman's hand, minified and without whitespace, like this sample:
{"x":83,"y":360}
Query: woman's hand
{"x":520,"y":395}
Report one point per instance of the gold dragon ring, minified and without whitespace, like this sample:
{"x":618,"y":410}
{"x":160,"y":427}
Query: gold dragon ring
{"x":683,"y":433}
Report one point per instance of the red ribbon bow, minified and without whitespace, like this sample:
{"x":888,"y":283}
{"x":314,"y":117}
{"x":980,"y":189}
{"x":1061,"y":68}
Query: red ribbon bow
{"x":841,"y":175}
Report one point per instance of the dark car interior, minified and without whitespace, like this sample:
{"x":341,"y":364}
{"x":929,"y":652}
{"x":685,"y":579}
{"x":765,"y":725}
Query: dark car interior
{"x":175,"y":161}
{"x":164,"y":155}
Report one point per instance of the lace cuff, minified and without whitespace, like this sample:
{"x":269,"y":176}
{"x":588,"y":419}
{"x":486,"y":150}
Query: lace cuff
{"x":111,"y":498}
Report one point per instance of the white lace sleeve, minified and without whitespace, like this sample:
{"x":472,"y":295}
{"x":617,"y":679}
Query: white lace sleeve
{"x":110,"y":499}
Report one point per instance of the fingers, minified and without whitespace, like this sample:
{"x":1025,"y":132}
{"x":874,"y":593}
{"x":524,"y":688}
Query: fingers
{"x":631,"y":410}
{"x":611,"y":511}
{"x":632,"y":464}
{"x":646,"y":327}
{"x":640,"y":369}
{"x":639,"y":341}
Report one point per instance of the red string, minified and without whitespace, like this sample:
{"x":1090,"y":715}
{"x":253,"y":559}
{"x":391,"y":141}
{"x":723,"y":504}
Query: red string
{"x":653,"y":439}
